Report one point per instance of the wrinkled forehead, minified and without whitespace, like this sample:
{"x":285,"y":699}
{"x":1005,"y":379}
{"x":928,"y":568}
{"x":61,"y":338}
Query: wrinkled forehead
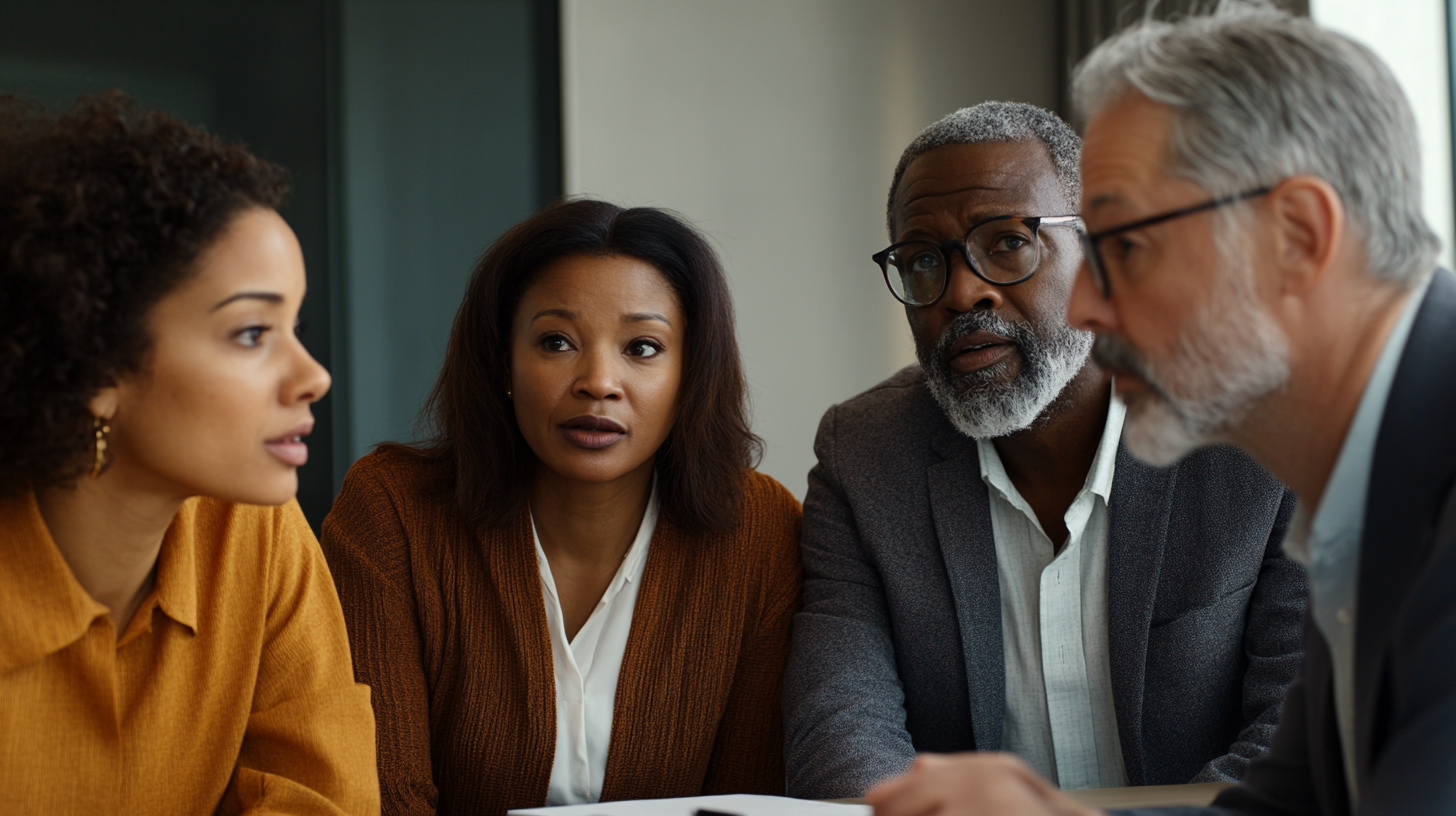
{"x":962,"y":181}
{"x":1125,"y":159}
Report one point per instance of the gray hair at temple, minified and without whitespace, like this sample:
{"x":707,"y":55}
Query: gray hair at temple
{"x":1259,"y":96}
{"x":999,"y":122}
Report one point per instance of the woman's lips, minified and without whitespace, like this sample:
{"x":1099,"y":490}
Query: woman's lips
{"x":592,"y":432}
{"x":290,"y":448}
{"x":292,"y":452}
{"x":980,"y":350}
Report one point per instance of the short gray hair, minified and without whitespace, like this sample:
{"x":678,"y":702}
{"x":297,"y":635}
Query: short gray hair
{"x":1258,"y":96}
{"x":999,"y":122}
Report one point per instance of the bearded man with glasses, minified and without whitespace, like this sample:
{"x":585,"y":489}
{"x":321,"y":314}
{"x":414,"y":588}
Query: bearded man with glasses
{"x":985,"y":565}
{"x":1259,"y":271}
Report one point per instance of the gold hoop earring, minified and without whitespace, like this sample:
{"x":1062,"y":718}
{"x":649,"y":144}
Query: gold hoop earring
{"x":102,"y":461}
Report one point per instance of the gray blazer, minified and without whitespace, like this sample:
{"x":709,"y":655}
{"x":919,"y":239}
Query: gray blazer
{"x":898,"y":647}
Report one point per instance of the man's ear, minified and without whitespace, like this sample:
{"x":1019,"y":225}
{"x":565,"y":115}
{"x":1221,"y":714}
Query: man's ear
{"x":1308,"y":219}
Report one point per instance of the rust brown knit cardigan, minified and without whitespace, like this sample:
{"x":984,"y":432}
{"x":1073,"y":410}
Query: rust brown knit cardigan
{"x":449,"y":631}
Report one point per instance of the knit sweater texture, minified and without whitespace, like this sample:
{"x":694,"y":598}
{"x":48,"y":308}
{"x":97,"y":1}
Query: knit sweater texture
{"x":448,"y":628}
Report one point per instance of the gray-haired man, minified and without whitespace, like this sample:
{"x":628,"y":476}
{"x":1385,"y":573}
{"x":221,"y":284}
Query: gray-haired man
{"x":1260,"y":273}
{"x":985,"y":566}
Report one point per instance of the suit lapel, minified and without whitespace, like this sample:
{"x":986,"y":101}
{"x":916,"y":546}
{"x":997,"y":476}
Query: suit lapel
{"x":1327,"y":764}
{"x":961,"y":510}
{"x":1142,"y":498}
{"x":1415,"y":461}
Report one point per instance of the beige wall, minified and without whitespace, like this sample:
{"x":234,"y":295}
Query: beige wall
{"x":1410,"y":35}
{"x":775,"y":125}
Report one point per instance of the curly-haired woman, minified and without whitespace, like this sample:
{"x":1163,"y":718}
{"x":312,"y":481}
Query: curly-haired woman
{"x":170,"y":640}
{"x":579,"y":590}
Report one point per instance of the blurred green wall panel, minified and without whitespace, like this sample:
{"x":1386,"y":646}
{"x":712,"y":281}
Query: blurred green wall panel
{"x":415,"y":131}
{"x":438,"y":158}
{"x":254,"y":70}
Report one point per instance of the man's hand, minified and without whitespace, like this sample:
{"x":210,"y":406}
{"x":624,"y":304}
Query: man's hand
{"x":971,"y":784}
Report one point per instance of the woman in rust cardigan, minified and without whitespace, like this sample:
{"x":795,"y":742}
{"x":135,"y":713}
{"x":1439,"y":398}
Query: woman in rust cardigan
{"x":578,"y":590}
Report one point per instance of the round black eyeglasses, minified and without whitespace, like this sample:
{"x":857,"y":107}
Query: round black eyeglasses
{"x":1097,"y":263}
{"x":1004,"y":251}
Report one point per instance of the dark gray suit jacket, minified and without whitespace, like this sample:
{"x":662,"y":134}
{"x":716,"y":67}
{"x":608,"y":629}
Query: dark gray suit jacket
{"x":1405,"y":632}
{"x":898,"y":647}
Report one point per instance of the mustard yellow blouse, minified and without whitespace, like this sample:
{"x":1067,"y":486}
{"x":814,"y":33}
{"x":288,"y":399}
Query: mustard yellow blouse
{"x":231,"y":690}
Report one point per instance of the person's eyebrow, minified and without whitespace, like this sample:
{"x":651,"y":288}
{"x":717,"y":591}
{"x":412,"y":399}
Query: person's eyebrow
{"x":642,"y":317}
{"x":271,"y":297}
{"x":1104,"y":200}
{"x":903,"y":200}
{"x":562,"y":313}
{"x":977,"y":214}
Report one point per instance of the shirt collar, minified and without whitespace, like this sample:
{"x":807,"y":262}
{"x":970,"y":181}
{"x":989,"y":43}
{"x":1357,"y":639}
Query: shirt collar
{"x":630,"y":561}
{"x":43,"y":608}
{"x":1341,"y":511}
{"x":638,"y":550}
{"x":1104,"y":465}
{"x":176,"y":590}
{"x":1099,"y":476}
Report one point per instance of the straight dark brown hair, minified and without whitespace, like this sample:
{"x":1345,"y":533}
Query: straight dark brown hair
{"x":485,"y":461}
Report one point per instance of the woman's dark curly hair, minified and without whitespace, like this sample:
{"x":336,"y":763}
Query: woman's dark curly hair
{"x":483,"y":459}
{"x":104,"y":208}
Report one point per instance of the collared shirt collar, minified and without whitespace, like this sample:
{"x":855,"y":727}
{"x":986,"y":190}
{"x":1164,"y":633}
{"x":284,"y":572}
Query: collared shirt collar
{"x":1341,"y":512}
{"x":632,"y":560}
{"x":176,"y":590}
{"x":1099,"y":476}
{"x":43,"y":608}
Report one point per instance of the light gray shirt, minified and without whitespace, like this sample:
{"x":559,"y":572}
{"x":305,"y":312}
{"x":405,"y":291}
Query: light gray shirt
{"x":1328,"y":544}
{"x":1060,"y":716}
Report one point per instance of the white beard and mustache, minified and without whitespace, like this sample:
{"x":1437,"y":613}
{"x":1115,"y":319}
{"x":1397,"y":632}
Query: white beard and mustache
{"x":982,"y":407}
{"x":1229,"y":355}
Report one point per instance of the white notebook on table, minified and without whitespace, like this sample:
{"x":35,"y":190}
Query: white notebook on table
{"x":738,"y":804}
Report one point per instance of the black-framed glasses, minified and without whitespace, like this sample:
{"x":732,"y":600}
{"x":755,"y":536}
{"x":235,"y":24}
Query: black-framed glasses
{"x":1005,"y":250}
{"x":1097,"y":265}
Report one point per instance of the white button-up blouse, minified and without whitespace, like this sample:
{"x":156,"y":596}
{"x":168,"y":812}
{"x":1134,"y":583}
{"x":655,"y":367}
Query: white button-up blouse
{"x":587,"y":669}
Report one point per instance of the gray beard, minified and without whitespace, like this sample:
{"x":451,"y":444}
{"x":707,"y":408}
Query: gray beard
{"x":1228,"y":357}
{"x":981,"y":406}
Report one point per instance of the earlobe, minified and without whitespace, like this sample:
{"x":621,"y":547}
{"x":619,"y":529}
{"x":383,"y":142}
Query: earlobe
{"x":1309,"y":225}
{"x":104,"y":402}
